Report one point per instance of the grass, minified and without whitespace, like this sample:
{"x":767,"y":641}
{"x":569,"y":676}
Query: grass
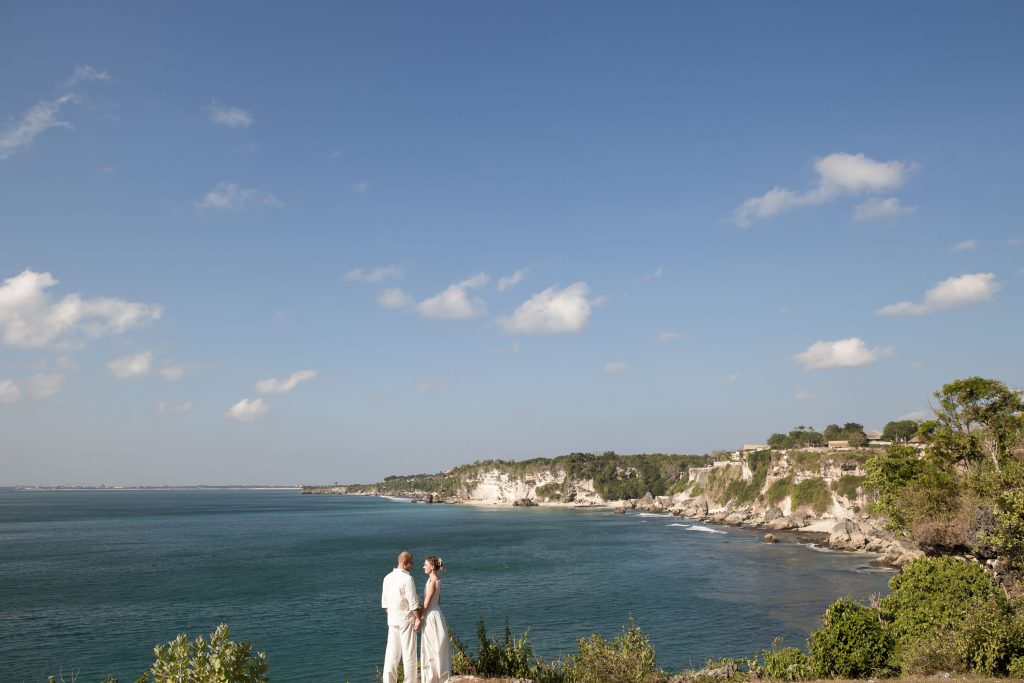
{"x":779,"y":489}
{"x":847,"y":485}
{"x":812,"y":492}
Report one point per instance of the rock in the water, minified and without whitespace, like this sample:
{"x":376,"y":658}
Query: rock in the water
{"x":846,"y":534}
{"x":619,"y":511}
{"x":770,"y":538}
{"x":524,"y":502}
{"x":735,"y":518}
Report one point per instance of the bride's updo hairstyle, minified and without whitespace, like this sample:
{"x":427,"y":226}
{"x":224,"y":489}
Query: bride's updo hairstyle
{"x":435,"y":562}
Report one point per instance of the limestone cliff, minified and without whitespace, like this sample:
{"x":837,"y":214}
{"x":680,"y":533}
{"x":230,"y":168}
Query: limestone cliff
{"x":810,"y":490}
{"x":813,"y":490}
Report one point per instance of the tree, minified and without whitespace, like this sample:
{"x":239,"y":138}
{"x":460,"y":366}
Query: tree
{"x":976,"y":418}
{"x":832,"y":433}
{"x":778,"y":441}
{"x":899,"y":431}
{"x":890,"y":473}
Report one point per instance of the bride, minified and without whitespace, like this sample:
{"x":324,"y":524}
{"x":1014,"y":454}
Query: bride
{"x":435,"y":655}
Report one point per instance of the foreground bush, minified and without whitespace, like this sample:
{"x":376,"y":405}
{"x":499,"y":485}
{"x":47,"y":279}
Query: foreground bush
{"x":512,"y":657}
{"x":626,"y":658}
{"x":927,"y":609}
{"x":218,"y":660}
{"x":851,"y":643}
{"x":785,"y":664}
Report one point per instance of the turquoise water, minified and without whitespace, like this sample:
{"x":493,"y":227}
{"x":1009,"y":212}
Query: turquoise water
{"x":91,"y":580}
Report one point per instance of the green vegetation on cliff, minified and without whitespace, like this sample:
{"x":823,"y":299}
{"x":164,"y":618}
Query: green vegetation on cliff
{"x":615,"y":476}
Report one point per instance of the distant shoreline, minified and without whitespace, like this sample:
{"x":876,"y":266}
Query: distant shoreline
{"x":195,"y":487}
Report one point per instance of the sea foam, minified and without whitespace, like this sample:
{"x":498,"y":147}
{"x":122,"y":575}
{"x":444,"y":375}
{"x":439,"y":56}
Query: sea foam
{"x":698,"y":527}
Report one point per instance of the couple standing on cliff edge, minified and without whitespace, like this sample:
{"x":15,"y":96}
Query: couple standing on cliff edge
{"x":406,"y":616}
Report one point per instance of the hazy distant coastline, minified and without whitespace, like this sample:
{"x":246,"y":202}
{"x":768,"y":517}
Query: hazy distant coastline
{"x":187,"y":487}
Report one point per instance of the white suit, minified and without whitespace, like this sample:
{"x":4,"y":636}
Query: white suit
{"x":399,"y":598}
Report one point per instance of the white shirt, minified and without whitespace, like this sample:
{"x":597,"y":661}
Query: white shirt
{"x":399,"y":597}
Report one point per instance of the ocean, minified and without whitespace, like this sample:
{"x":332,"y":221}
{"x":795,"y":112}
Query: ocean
{"x":90,"y":581}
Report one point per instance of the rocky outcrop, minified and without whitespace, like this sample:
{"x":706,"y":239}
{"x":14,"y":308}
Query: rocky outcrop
{"x":830,"y":501}
{"x":848,"y":534}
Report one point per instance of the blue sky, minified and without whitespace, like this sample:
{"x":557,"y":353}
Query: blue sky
{"x":727,"y":219}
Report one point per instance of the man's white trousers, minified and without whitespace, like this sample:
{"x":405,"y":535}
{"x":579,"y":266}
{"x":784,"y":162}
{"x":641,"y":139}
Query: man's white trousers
{"x":401,"y":647}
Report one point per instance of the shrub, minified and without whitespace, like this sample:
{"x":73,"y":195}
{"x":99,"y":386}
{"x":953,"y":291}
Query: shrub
{"x":851,"y":642}
{"x":511,"y":658}
{"x":932,"y":597}
{"x":462,"y":661}
{"x":741,"y":491}
{"x":1016,"y":669}
{"x":807,"y":461}
{"x":847,"y":485}
{"x":991,"y":637}
{"x":550,"y":491}
{"x":627,"y":658}
{"x":779,"y":489}
{"x":218,"y":660}
{"x":812,"y":492}
{"x":786,"y":663}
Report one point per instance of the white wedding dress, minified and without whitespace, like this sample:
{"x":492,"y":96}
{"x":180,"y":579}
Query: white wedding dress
{"x":435,"y":652}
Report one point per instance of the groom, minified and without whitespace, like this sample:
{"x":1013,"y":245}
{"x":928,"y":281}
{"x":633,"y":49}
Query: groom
{"x":403,"y":605}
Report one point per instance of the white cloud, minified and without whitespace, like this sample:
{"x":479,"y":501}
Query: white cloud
{"x":44,"y":115}
{"x":375,"y":275}
{"x":361,"y":187}
{"x":656,"y":275}
{"x":964,"y":246}
{"x":804,"y":394}
{"x":1015,"y":242}
{"x":510,"y":281}
{"x":553,"y":310}
{"x":842,"y":353}
{"x":880,"y":209}
{"x":455,"y":303}
{"x":30,"y":318}
{"x":614,"y":367}
{"x":232,"y":117}
{"x":9,"y":391}
{"x":838,"y":174}
{"x":283,"y":386}
{"x":232,"y":196}
{"x":165,"y":408}
{"x":247,"y":411}
{"x":430,"y":387}
{"x":954,"y":292}
{"x":41,"y":385}
{"x":732,"y":378}
{"x":914,"y":415}
{"x":84,"y":72}
{"x":664,"y":337}
{"x":35,"y":121}
{"x":128,"y":367}
{"x":394,"y":299}
{"x":172,"y":373}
